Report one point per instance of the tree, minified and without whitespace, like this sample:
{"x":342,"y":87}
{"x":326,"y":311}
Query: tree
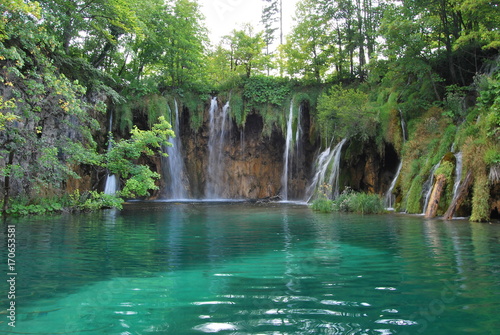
{"x":90,"y":29}
{"x":308,"y":50}
{"x":272,"y":20}
{"x":246,"y":51}
{"x":50,"y":125}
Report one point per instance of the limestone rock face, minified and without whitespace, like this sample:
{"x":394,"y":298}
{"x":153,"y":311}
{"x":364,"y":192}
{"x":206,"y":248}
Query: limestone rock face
{"x":251,"y":164}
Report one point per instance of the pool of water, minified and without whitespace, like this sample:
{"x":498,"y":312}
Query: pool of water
{"x":181,"y":268}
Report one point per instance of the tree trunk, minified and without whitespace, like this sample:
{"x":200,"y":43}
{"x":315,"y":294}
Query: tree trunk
{"x":462,"y":194}
{"x":437,"y":191}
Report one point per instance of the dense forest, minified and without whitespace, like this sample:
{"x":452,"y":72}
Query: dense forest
{"x":362,"y":67}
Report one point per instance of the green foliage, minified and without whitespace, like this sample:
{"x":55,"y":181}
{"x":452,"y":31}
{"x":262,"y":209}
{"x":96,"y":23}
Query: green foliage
{"x":361,"y":203}
{"x":323,"y":205}
{"x":92,"y":201}
{"x":261,"y":90}
{"x":414,"y":196}
{"x":124,"y":156}
{"x":345,"y":113}
{"x":245,"y":51}
{"x":195,"y":103}
{"x":349,"y":201}
{"x":446,"y":168}
{"x":480,"y":199}
{"x":238,"y":109}
{"x":23,"y":206}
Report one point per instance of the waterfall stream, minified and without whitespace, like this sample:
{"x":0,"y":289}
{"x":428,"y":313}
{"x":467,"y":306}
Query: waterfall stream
{"x":327,"y":168}
{"x":111,"y":185}
{"x":173,"y":165}
{"x":427,"y":187}
{"x":291,"y":152}
{"x":286,"y":155}
{"x":390,"y":200}
{"x":217,"y":137}
{"x":458,"y":173}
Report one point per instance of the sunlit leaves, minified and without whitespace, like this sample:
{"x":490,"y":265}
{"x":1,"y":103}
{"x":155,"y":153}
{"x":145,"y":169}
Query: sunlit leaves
{"x":123,"y":158}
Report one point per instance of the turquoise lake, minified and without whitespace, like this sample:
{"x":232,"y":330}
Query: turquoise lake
{"x":238,"y":268}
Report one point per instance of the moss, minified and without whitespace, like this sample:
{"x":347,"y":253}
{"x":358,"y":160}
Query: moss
{"x":155,"y":106}
{"x":237,"y":108}
{"x":446,"y":168}
{"x":413,"y":205}
{"x":124,"y":117}
{"x":480,"y":199}
{"x":195,"y":103}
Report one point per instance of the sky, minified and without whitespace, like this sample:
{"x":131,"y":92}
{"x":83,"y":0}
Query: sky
{"x":222,"y":16}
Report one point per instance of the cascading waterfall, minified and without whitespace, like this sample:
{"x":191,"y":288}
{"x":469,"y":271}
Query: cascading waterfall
{"x":427,"y":187}
{"x":458,"y":173}
{"x":389,"y":197}
{"x":390,"y":201}
{"x":173,"y":165}
{"x":286,"y":155}
{"x":291,"y":151}
{"x":327,"y":165}
{"x":111,"y":185}
{"x":216,"y":142}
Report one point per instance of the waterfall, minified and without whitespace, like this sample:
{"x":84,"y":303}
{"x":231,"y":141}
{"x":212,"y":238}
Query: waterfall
{"x":216,"y":142}
{"x":286,"y":155}
{"x":458,"y":174}
{"x":327,"y":165}
{"x":111,"y":185}
{"x":390,"y":201}
{"x":291,"y":152}
{"x":403,"y":125}
{"x":173,"y":165}
{"x":427,"y":187}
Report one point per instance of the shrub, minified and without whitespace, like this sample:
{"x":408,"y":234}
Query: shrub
{"x":323,"y":205}
{"x":352,"y":202}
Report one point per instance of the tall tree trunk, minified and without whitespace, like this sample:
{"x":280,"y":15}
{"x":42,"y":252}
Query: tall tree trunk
{"x":361,"y":42}
{"x":340,"y":57}
{"x":443,"y":14}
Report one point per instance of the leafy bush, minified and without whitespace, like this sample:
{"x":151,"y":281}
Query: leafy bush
{"x":93,"y":200}
{"x":260,"y":90}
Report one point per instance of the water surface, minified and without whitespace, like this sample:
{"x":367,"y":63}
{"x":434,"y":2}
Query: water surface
{"x":179,"y":268}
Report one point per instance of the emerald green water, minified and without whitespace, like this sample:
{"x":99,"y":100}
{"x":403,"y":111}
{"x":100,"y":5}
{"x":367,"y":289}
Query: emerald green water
{"x":178,"y":269}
